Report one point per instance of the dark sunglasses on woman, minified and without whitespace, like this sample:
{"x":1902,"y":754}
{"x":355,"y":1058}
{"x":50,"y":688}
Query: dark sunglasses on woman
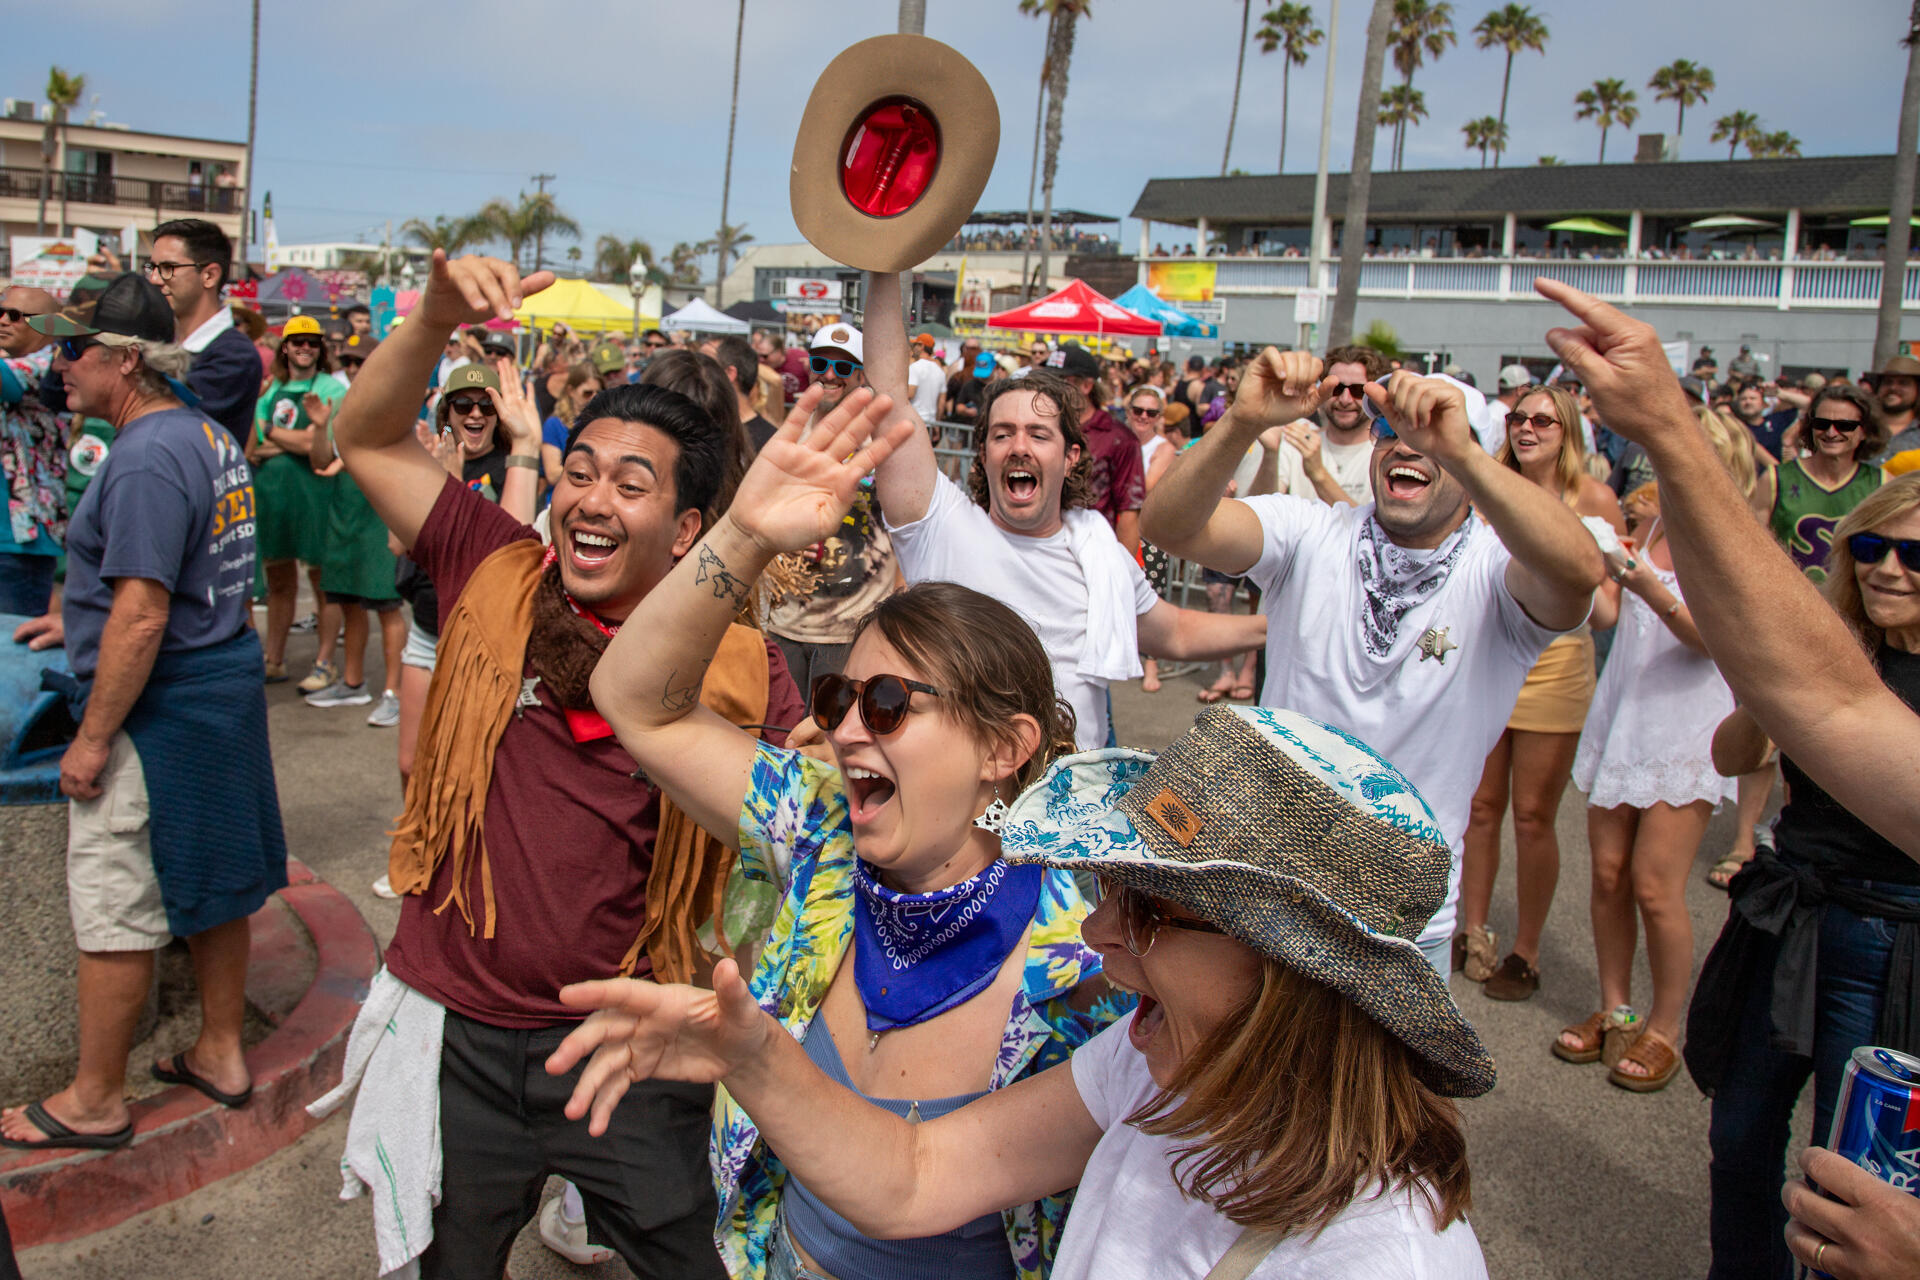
{"x":463,"y":405}
{"x":884,"y":701}
{"x":1142,"y":918}
{"x":1540,"y":421}
{"x":1872,"y":548}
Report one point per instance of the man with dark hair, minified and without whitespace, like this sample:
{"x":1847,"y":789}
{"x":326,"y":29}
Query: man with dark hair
{"x":1023,"y":532}
{"x":737,"y":357}
{"x":1115,"y":473}
{"x":191,"y":261}
{"x":1329,"y":462}
{"x":532,"y":853}
{"x":1896,"y":385}
{"x":359,"y":320}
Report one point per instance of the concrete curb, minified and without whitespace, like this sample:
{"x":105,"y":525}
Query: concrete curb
{"x":184,"y":1140}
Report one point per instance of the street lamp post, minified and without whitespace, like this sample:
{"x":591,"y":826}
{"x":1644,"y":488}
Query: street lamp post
{"x":636,"y":281}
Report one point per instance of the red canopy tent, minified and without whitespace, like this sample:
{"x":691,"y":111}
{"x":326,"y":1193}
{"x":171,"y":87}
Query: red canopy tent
{"x":1076,"y":309}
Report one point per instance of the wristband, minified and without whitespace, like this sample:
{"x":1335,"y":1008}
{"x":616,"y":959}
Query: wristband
{"x":522,"y":460}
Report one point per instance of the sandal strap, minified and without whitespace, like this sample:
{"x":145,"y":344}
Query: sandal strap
{"x":1652,"y":1051}
{"x":1588,"y":1031}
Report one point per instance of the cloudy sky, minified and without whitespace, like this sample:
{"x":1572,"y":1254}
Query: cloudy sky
{"x":372,"y":111}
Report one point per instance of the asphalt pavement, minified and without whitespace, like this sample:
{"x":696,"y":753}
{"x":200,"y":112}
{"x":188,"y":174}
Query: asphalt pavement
{"x":1571,"y":1176}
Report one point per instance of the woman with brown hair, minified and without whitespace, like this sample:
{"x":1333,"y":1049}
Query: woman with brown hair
{"x":1534,"y":758}
{"x":582,"y":384}
{"x":1278,"y":1105}
{"x":915,"y":966}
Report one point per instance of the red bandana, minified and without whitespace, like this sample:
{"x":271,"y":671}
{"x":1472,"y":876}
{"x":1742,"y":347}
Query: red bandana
{"x":552,"y":558}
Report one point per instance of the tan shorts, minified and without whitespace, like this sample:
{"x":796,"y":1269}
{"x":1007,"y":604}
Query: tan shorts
{"x":112,"y":890}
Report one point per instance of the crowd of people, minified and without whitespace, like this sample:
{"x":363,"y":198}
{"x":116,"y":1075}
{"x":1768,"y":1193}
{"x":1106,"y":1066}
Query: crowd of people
{"x":770,"y":867}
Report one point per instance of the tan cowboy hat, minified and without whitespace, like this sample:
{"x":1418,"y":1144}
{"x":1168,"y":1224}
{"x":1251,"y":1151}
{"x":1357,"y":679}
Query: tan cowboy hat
{"x":895,"y":146}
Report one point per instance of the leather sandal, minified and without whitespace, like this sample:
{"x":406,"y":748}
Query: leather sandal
{"x":1656,"y":1055}
{"x":1482,"y":954}
{"x":1588,"y":1033}
{"x":1515,"y":979}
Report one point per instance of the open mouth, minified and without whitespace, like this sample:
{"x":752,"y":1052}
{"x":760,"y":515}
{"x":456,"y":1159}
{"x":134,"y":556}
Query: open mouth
{"x":1148,"y":1017}
{"x":590,"y":550}
{"x":868,"y":792}
{"x":1407,"y":483}
{"x":1021,"y":484}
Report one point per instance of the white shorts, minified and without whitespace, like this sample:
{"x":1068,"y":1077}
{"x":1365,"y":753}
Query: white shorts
{"x":420,"y":649}
{"x":113,"y":892}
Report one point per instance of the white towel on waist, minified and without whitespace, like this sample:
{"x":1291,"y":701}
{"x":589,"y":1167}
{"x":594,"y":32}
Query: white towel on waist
{"x":393,"y":1139}
{"x":1112,"y":649}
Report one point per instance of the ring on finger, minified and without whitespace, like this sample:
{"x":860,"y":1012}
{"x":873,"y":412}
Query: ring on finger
{"x":1817,"y":1252}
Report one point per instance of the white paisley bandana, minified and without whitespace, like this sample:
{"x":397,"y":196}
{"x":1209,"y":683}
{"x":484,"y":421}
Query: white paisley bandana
{"x":1397,"y":579}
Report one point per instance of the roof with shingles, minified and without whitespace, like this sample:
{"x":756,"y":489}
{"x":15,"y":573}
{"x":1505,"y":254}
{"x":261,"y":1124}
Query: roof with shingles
{"x":1821,"y":184}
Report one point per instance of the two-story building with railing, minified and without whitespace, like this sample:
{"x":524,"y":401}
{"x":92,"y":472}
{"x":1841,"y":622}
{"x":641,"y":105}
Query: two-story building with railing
{"x":106,"y":177}
{"x":1782,"y":255}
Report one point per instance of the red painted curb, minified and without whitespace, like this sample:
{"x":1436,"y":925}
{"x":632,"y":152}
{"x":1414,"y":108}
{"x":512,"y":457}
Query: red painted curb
{"x":183,"y":1140}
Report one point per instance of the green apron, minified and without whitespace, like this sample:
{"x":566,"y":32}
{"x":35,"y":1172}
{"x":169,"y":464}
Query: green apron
{"x":357,"y":562}
{"x":291,"y":501}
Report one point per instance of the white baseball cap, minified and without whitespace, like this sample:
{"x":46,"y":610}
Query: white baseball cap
{"x":839,"y":337}
{"x":1515,"y":375}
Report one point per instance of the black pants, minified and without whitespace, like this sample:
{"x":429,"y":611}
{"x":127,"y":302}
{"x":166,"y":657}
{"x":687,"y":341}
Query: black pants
{"x":645,"y":1182}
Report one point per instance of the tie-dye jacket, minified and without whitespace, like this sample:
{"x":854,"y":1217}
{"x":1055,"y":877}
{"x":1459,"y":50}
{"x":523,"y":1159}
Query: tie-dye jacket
{"x":795,"y":832}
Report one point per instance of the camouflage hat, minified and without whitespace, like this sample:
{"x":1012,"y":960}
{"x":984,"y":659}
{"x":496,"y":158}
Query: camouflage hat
{"x":469,"y":376}
{"x":130,"y":306}
{"x":608,"y":357}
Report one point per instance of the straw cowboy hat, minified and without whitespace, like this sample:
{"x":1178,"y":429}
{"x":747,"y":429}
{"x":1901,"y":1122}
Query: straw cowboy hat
{"x":1290,"y":834}
{"x":895,"y":146}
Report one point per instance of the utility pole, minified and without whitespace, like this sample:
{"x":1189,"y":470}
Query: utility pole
{"x":1893,"y":275}
{"x":253,"y":107}
{"x":721,"y":240}
{"x":542,"y":179}
{"x":1316,"y":241}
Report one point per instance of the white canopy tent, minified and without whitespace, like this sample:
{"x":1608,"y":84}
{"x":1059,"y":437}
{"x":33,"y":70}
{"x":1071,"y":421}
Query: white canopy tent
{"x":698,"y":317}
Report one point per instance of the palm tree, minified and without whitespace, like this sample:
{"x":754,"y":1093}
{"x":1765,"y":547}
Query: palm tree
{"x":544,"y":218}
{"x":1772,"y":146}
{"x":684,"y":263}
{"x":1551,"y":162}
{"x":1514,"y":28}
{"x":1353,"y":220}
{"x":1735,"y":128}
{"x":1290,"y":30}
{"x":614,"y":258}
{"x":1063,"y":15}
{"x":1422,"y":29}
{"x":1683,"y":83}
{"x":1399,"y":107}
{"x":64,"y":90}
{"x":724,"y":242}
{"x":1239,"y":70}
{"x":1485,"y":134}
{"x":451,"y":234}
{"x":726,"y":181}
{"x":1608,"y":103}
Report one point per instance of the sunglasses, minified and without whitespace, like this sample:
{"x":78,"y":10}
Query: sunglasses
{"x":464,"y":405}
{"x":1842,"y":425}
{"x":1139,"y":412}
{"x":1354,"y":389}
{"x":1142,"y":918}
{"x":841,"y":368}
{"x":74,"y":348}
{"x":1382,"y":431}
{"x":312,"y":344}
{"x":14,"y":315}
{"x":1540,"y":421}
{"x":654,"y":346}
{"x":884,"y":701}
{"x":1872,"y":548}
{"x":351,"y":362}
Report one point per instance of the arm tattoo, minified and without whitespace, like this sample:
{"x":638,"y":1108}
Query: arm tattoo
{"x":681,"y":696}
{"x":726,"y":585}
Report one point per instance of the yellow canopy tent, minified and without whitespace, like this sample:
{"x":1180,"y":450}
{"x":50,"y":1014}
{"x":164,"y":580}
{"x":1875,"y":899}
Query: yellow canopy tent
{"x":578,"y":305}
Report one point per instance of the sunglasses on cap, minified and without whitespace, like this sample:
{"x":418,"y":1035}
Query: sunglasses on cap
{"x":1872,"y":548}
{"x":464,"y":405}
{"x":884,"y":701}
{"x":74,"y":348}
{"x":1142,"y":918}
{"x":841,"y":368}
{"x":1841,"y":425}
{"x":1540,"y":421}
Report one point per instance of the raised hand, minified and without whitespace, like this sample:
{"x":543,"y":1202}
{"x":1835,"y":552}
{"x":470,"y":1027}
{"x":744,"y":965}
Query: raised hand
{"x":1621,"y":363}
{"x":798,"y":490}
{"x":643,"y":1030}
{"x":1428,"y":413}
{"x":1280,"y":386}
{"x":1303,"y":436}
{"x":518,"y":418}
{"x":318,"y":410}
{"x":473,"y":290}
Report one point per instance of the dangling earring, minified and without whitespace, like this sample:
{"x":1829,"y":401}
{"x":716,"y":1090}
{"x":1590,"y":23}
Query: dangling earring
{"x":994,"y":818}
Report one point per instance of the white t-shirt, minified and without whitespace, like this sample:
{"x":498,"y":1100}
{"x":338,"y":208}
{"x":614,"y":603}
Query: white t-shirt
{"x":1434,"y":719}
{"x":1038,"y":578}
{"x":1130,"y":1221}
{"x":1351,"y":465}
{"x":926,"y":380}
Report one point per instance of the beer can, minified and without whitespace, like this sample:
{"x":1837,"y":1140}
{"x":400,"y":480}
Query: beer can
{"x":1876,"y":1120}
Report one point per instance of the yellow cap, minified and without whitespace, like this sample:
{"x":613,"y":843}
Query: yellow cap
{"x":301,"y":325}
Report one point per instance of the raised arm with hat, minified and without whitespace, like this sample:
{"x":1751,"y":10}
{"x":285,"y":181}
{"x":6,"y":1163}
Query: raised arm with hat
{"x":1755,"y":610}
{"x":375,"y":431}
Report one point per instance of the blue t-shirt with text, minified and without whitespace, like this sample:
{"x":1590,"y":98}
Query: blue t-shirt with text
{"x":173,"y":503}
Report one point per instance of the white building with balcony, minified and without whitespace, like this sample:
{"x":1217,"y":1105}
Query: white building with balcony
{"x":1782,"y":255}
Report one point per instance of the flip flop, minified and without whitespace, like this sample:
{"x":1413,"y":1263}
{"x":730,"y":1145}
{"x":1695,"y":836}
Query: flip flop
{"x":59,"y":1136}
{"x":176,"y":1071}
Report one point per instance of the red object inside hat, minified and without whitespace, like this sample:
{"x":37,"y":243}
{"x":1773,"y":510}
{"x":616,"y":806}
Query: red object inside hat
{"x":890,"y":156}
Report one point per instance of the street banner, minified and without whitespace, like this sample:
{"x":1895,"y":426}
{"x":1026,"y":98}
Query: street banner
{"x":53,"y":263}
{"x":1181,"y":282}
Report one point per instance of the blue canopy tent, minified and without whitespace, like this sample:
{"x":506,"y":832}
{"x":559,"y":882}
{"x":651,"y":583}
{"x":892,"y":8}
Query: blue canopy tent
{"x":1173,"y":321}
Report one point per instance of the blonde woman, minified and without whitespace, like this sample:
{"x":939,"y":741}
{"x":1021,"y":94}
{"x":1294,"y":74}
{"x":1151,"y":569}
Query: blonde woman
{"x":582,"y":384}
{"x":1530,"y":765}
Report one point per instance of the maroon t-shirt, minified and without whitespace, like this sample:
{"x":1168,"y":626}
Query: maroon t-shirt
{"x":795,"y":374}
{"x":1119,"y":480}
{"x":569,"y":833}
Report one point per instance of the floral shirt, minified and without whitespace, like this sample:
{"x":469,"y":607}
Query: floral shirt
{"x":32,"y":452}
{"x":794,"y":831}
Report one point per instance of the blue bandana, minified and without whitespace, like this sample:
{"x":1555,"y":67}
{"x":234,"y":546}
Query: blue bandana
{"x":920,"y":954}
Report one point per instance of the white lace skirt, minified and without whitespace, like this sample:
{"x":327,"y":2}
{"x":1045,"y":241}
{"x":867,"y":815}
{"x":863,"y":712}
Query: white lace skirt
{"x":1649,"y":733}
